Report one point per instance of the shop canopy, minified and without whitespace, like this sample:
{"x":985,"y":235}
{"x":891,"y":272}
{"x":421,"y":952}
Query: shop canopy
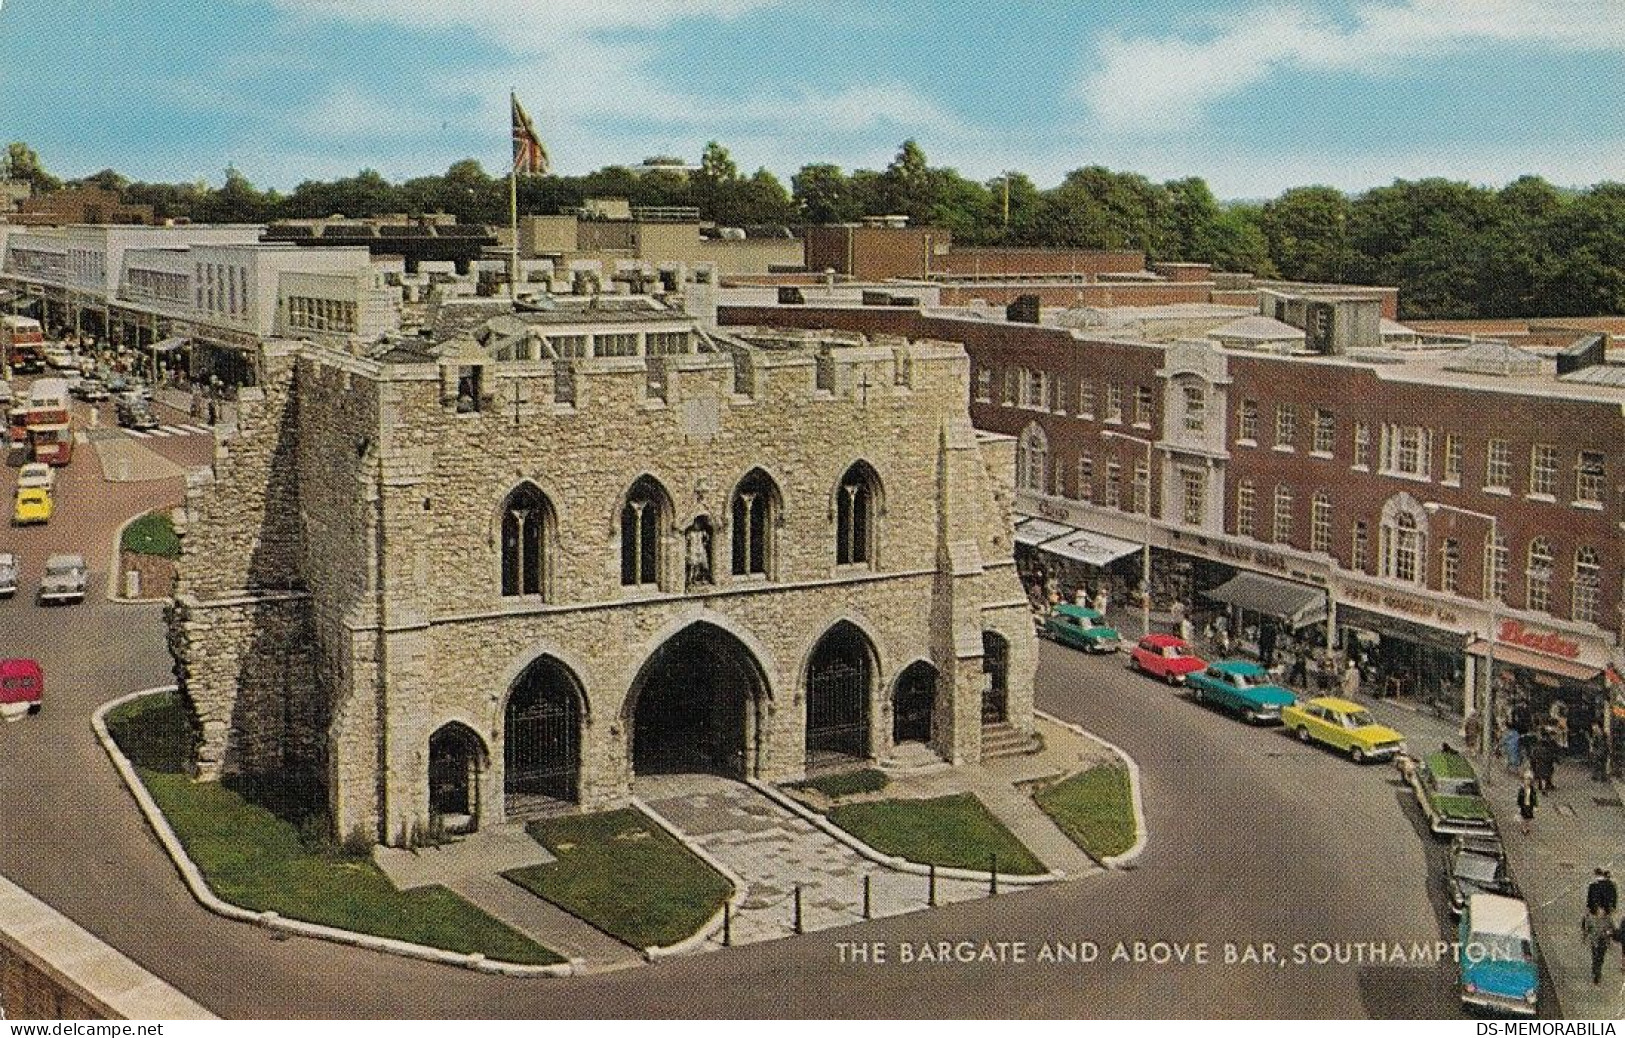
{"x":1516,"y":657}
{"x":1034,"y":532}
{"x":168,"y":345}
{"x":1296,"y":604}
{"x":1095,"y":549}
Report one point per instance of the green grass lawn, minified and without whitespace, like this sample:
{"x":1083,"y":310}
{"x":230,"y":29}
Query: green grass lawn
{"x":626,"y":876}
{"x":1095,"y":808}
{"x":953,"y":831}
{"x":254,"y":859}
{"x":847,"y":783}
{"x":152,"y":534}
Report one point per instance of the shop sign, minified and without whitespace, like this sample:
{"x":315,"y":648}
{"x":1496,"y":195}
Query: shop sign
{"x":1051,"y":510}
{"x":1514,"y":633}
{"x":1261,"y":559}
{"x":1405,"y":605}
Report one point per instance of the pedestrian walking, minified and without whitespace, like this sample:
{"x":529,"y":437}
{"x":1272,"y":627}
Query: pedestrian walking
{"x":1300,"y":668}
{"x":1528,"y":800}
{"x":1101,"y":600}
{"x":1598,"y":931}
{"x":1512,"y":749}
{"x":1602,"y":893}
{"x":1472,"y":731}
{"x":1351,"y":680}
{"x":1080,"y":597}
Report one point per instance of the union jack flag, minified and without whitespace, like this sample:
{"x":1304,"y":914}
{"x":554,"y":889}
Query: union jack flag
{"x":528,"y":154}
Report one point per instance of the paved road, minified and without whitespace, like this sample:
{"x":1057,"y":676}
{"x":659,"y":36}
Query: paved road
{"x":1255,"y":839}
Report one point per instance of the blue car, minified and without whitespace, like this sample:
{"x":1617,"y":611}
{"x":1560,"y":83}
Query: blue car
{"x":1498,"y":967}
{"x":1241,"y":687}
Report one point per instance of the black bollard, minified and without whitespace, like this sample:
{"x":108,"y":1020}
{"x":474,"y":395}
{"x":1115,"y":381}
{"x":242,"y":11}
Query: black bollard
{"x":992,"y":875}
{"x":727,"y":924}
{"x":932,"y":898}
{"x":798,"y":910}
{"x":868,"y":907}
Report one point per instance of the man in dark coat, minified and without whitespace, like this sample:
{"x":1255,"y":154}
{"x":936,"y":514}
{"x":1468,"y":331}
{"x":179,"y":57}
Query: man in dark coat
{"x":1602,"y":893}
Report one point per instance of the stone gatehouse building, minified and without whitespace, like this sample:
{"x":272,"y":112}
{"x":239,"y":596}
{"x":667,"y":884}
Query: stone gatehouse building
{"x":524,"y":557}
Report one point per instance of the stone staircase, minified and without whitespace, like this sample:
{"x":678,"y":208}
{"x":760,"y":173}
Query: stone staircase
{"x":1002,"y":739}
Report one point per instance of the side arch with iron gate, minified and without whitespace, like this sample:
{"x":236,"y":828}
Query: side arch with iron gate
{"x":996,"y":667}
{"x":914,"y":700}
{"x":457,"y":760}
{"x":841,"y":679}
{"x":541,"y":744}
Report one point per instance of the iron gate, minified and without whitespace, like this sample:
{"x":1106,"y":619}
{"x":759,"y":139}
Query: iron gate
{"x":449,"y":782}
{"x":838,"y":708}
{"x":542,"y":749}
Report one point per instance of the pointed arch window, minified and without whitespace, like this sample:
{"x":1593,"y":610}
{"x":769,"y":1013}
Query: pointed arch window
{"x":856,"y":511}
{"x":755,"y":513}
{"x":644,"y":518}
{"x":526,"y":532}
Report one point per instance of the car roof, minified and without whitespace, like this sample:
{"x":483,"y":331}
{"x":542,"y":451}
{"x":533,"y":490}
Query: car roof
{"x":1067,"y":609}
{"x":32,"y":492}
{"x":8,"y":558}
{"x":1239,"y":667}
{"x":1495,"y":914}
{"x":1337,"y":703}
{"x":56,"y":561}
{"x":1162,"y":640}
{"x":19,"y":665}
{"x":1450,"y":764}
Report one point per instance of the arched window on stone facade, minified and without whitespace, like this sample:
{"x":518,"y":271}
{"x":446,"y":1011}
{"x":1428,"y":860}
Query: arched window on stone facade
{"x":1032,"y":460}
{"x":755,"y":514}
{"x":527,"y":529}
{"x":857,"y":511}
{"x":644,"y":520}
{"x":1403,"y":545}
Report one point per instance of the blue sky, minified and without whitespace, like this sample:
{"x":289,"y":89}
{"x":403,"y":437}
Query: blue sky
{"x":1253,"y":96}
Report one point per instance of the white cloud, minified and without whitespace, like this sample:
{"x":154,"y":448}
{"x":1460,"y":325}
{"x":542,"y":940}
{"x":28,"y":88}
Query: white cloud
{"x":1161,"y":83}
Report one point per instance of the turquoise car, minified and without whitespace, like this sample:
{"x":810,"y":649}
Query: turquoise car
{"x":1241,"y":687}
{"x":1081,"y":628}
{"x":1498,"y":968}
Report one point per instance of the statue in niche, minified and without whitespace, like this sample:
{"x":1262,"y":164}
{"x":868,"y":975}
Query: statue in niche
{"x":697,"y":551}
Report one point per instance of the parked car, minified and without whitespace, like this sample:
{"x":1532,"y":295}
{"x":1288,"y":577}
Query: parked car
{"x":134,"y":414}
{"x":1447,"y":788}
{"x":1242,"y":687}
{"x":22,"y":686}
{"x":1344,"y":726}
{"x":90,"y":389}
{"x":66,"y":578}
{"x":1080,"y":628}
{"x":1499,"y":970}
{"x":33,"y":506}
{"x":37,"y":475}
{"x":1473,"y":869}
{"x":8,"y":574}
{"x":1167,"y":657}
{"x":61,"y":358}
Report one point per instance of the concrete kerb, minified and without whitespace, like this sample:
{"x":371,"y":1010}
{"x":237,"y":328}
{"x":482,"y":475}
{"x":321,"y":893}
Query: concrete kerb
{"x":696,"y":940}
{"x":113,"y":572}
{"x":891,"y":861}
{"x":200,"y":891}
{"x":1141,"y":835}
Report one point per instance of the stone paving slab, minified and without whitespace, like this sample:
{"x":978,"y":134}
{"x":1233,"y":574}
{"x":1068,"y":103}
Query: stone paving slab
{"x":124,"y":460}
{"x":490,"y":851}
{"x":545,"y":923}
{"x":774,"y":850}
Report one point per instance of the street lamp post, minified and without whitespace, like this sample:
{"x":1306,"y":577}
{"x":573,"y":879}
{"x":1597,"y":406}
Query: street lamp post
{"x":1145,"y":549}
{"x":1487,"y":719}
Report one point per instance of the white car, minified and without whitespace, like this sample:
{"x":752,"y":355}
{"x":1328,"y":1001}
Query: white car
{"x":65,"y":580}
{"x":61,"y":358}
{"x":8,"y":574}
{"x":36,"y":474}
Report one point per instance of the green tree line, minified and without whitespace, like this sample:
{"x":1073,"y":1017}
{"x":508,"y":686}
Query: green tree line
{"x":1453,"y":249}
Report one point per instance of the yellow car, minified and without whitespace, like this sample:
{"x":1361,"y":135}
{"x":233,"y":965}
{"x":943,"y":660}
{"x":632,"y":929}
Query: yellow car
{"x":1345,"y":726}
{"x":33,"y":506}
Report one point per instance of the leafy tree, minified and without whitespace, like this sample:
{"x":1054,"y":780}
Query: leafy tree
{"x":716,"y":165}
{"x":824,"y":194}
{"x":23,"y":163}
{"x":1307,"y":231}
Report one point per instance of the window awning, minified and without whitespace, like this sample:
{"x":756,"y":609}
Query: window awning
{"x":167,"y":345}
{"x":1553,"y":665}
{"x":1296,"y":604}
{"x":1034,"y":532}
{"x":1095,"y":549}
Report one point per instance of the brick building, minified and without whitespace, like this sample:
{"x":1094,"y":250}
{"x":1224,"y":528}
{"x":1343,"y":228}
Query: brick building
{"x":1289,"y":489}
{"x":517,"y":561}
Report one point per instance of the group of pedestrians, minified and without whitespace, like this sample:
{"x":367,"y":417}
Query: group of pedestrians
{"x":1598,"y":928}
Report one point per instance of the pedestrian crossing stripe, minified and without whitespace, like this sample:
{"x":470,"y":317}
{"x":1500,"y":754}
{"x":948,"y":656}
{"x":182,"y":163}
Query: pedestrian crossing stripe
{"x":169,"y":430}
{"x":137,"y":433}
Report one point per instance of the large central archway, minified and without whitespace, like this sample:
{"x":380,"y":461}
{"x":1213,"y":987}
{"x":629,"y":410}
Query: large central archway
{"x":693,"y":705}
{"x":542,"y":738}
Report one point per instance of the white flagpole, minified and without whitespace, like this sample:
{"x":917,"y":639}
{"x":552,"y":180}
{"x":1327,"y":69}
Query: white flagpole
{"x":513,"y":210}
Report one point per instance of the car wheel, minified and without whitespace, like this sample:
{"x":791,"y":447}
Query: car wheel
{"x":1303,"y":734}
{"x":1134,"y":664}
{"x":34,"y":708}
{"x":1198,"y":695}
{"x":1356,"y":755}
{"x":1172,"y":679}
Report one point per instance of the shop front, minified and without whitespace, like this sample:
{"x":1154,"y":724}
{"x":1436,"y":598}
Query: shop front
{"x":1404,"y":659}
{"x":1267,"y":617}
{"x":1545,"y":683}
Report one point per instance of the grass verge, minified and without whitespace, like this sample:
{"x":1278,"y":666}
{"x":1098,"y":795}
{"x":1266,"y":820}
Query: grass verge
{"x":625,"y":875}
{"x":847,"y":783}
{"x":152,"y":534}
{"x":254,"y":859}
{"x":1095,"y":808}
{"x":953,"y":831}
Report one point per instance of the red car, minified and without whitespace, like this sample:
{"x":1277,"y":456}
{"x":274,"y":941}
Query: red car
{"x":1165,"y":656}
{"x":22,"y":686}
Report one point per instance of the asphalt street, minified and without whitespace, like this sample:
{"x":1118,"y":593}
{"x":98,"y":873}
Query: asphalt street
{"x":1257,"y":843}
